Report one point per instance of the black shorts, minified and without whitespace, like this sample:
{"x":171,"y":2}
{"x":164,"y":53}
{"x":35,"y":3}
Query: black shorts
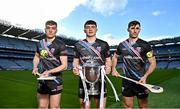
{"x":81,"y":92}
{"x":130,"y":89}
{"x":50,"y":87}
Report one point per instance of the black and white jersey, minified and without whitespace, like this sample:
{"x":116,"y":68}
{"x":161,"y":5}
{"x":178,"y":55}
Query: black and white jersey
{"x":50,"y":54}
{"x":134,"y":57}
{"x":84,"y":53}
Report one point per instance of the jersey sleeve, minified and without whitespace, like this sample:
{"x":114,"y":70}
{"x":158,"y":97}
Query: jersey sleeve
{"x":148,"y":50}
{"x":37,"y":47}
{"x":118,"y":50}
{"x":76,"y":53}
{"x":63,"y":50}
{"x":107,"y":51}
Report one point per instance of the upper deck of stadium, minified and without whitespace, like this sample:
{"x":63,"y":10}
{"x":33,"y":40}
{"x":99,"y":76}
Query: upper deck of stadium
{"x":7,"y":29}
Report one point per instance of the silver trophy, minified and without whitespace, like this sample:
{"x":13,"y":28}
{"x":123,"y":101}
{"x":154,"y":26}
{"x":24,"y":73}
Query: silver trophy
{"x":91,"y":71}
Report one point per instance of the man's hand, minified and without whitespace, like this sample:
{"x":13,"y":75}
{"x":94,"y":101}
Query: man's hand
{"x":115,"y":73}
{"x":76,"y":70}
{"x":108,"y":69}
{"x":143,"y":79}
{"x":35,"y":70}
{"x":46,"y":73}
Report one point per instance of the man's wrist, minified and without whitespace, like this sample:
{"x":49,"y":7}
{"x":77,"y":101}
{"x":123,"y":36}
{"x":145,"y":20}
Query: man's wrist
{"x":113,"y":69}
{"x":49,"y":72}
{"x":35,"y":67}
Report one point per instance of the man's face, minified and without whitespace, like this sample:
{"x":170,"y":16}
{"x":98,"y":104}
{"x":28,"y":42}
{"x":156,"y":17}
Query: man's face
{"x":90,"y":30}
{"x":134,"y":31}
{"x":51,"y":31}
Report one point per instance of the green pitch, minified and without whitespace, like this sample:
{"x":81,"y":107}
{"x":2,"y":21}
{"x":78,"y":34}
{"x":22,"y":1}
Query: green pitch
{"x":18,"y":90}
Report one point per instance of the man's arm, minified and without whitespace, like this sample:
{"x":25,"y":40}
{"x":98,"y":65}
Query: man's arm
{"x":151,"y":67}
{"x":108,"y":65}
{"x":114,"y":63}
{"x":62,"y":67}
{"x":35,"y":63}
{"x":75,"y":66}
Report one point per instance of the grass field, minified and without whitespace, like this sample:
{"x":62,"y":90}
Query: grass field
{"x":18,"y":90}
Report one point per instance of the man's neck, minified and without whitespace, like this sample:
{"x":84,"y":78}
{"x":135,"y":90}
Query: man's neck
{"x":91,"y":39}
{"x":50,"y":39}
{"x":133,"y":39}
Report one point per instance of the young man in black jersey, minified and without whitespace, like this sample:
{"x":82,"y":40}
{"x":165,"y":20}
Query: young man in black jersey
{"x":94,"y":50}
{"x":50,"y":60}
{"x":135,"y":53}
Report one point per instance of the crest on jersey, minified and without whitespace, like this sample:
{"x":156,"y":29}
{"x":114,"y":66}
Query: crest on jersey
{"x":98,"y":49}
{"x":138,"y":49}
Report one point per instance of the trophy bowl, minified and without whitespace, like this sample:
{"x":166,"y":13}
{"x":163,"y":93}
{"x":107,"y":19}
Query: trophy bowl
{"x":91,"y":71}
{"x":91,"y":74}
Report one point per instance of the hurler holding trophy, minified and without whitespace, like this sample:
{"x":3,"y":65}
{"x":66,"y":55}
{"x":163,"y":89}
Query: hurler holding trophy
{"x":92,"y":62}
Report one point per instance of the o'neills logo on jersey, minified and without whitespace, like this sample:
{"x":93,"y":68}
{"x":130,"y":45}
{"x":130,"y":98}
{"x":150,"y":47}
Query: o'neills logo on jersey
{"x":124,"y":49}
{"x":90,"y":57}
{"x":82,"y":49}
{"x":52,"y":50}
{"x":131,"y":57}
{"x":98,"y":49}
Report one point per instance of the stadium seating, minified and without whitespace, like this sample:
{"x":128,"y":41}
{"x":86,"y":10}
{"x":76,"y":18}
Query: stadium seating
{"x":174,"y":64}
{"x":9,"y":64}
{"x":162,"y":64}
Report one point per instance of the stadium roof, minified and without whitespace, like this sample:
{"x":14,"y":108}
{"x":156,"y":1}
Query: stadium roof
{"x":166,"y":41}
{"x":6,"y":28}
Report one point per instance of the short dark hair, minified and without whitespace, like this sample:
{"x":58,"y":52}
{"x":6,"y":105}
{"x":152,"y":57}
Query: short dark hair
{"x":50,"y":22}
{"x":134,"y":22}
{"x":90,"y":22}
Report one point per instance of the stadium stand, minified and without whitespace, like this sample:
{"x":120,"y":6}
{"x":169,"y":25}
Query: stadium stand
{"x":8,"y":64}
{"x":167,"y":52}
